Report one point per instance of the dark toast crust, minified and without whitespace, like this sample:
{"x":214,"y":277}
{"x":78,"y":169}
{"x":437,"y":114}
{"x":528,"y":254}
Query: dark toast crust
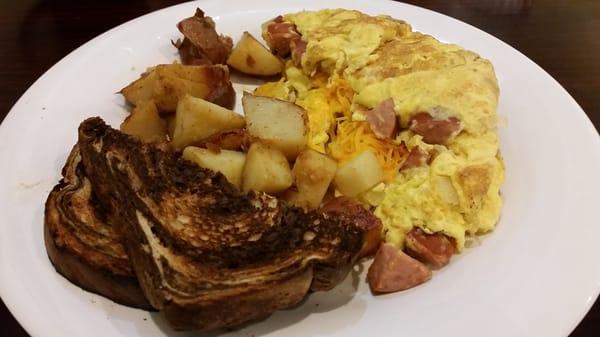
{"x":84,"y":248}
{"x":205,"y":254}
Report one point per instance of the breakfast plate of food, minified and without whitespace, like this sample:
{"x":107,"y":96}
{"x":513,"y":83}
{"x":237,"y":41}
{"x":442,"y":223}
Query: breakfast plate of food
{"x":287,"y":169}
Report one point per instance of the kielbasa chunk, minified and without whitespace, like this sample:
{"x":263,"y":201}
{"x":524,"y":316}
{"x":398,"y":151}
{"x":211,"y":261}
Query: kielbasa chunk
{"x":392,"y":270}
{"x":434,"y":131}
{"x":434,"y":249}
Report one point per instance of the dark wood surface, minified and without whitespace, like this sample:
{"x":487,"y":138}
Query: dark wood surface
{"x":563,"y":37}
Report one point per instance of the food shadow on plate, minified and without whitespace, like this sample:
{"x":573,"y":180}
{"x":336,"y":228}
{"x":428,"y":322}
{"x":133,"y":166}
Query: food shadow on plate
{"x":313,"y":304}
{"x":238,"y":77}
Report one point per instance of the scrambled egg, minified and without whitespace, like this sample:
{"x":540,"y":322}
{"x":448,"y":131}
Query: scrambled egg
{"x":343,"y":40}
{"x":457,"y":193}
{"x":352,"y":63}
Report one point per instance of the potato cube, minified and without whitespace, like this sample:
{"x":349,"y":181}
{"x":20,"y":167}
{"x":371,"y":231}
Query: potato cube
{"x":165,"y":84}
{"x":229,"y":163}
{"x":266,"y":170}
{"x":251,"y":57}
{"x":145,"y":123}
{"x":280,"y":124}
{"x":141,"y":89}
{"x":197,"y":119}
{"x":359,"y":174}
{"x":312,"y":172}
{"x":169,"y":89}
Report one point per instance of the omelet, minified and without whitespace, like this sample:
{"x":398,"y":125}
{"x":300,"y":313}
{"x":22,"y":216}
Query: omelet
{"x":457,"y":194}
{"x":348,"y":64}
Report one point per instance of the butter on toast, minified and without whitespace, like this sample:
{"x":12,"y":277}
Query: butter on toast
{"x":207,"y":255}
{"x":82,"y":245}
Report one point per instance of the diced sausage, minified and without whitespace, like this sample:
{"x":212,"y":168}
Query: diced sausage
{"x":280,"y":35}
{"x":382,"y":119}
{"x":392,"y":270}
{"x":434,"y":131}
{"x":416,"y":157}
{"x":201,"y":43}
{"x":351,"y":210}
{"x":434,"y":249}
{"x":298,"y":47}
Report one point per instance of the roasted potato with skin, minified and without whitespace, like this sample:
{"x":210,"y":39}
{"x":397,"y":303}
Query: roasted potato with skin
{"x":312,"y":173}
{"x":280,"y":124}
{"x":197,"y":119}
{"x":266,"y":170}
{"x":141,"y":89}
{"x":251,"y":57}
{"x":145,"y":123}
{"x":359,"y":174}
{"x":229,"y":163}
{"x":234,"y":140}
{"x":165,"y":84}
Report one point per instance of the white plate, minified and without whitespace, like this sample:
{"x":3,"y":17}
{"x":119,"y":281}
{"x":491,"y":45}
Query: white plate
{"x":536,"y":275}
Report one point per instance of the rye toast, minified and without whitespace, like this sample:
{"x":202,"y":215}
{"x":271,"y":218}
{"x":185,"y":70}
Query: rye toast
{"x":206,"y":254}
{"x":82,"y":245}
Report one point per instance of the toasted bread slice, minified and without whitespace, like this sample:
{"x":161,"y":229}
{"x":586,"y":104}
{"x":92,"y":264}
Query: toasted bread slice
{"x":82,"y":245}
{"x":207,"y":255}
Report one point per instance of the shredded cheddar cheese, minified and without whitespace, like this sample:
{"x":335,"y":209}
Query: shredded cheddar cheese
{"x":354,"y":137}
{"x":323,"y":105}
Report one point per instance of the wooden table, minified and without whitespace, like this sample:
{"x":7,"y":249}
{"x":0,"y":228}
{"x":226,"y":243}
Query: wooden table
{"x":561,"y":36}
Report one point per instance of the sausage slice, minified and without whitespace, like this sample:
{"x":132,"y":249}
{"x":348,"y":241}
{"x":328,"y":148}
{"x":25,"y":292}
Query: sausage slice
{"x":392,"y":270}
{"x":434,"y":131}
{"x":382,"y":119}
{"x":434,"y":249}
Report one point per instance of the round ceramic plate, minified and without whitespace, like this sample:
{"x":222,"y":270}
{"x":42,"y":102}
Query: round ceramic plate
{"x":535,"y":275}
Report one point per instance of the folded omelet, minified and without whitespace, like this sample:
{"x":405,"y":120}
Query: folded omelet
{"x":353,"y":62}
